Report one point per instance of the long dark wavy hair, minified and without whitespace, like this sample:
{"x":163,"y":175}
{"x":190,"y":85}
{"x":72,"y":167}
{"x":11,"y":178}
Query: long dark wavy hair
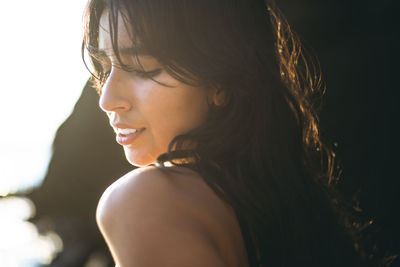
{"x":261,"y":150}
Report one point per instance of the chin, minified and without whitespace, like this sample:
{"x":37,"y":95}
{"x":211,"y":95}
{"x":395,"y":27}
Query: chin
{"x":138,"y":160}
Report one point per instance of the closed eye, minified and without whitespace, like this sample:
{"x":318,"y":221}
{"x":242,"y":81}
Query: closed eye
{"x":139,"y":73}
{"x":148,"y":74}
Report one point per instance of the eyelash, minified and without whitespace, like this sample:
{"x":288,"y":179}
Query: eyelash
{"x":140,"y":73}
{"x":148,"y":74}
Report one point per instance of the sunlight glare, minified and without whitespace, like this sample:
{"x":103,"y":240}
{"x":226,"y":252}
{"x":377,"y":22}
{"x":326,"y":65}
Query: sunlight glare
{"x":20,"y":243}
{"x":42,"y":77}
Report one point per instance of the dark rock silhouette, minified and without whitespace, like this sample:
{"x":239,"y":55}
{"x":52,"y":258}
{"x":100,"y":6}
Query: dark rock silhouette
{"x":86,"y":159}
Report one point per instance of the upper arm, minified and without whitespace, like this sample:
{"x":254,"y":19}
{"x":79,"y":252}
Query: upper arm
{"x":147,"y":222}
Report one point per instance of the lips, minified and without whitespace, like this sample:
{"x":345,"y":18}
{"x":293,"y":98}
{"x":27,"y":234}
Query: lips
{"x":127,"y":136}
{"x":126,"y":131}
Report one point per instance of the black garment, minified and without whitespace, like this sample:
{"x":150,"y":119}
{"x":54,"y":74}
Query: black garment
{"x":251,"y":250}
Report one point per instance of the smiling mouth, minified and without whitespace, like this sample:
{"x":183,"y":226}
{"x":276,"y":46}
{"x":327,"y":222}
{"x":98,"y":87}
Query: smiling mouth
{"x":128,"y":136}
{"x":126,"y":131}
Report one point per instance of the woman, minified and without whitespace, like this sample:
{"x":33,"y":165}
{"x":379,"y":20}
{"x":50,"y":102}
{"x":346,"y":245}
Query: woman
{"x":213,"y":100}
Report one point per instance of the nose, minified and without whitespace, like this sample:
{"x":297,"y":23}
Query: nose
{"x":113,"y":98}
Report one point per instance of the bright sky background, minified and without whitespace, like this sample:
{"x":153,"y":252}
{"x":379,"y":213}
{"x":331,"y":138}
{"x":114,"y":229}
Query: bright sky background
{"x":41,"y":77}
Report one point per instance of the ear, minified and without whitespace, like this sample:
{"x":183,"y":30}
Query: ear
{"x":217,"y":96}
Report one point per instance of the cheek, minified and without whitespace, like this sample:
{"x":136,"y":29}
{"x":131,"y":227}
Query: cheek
{"x":172,"y":111}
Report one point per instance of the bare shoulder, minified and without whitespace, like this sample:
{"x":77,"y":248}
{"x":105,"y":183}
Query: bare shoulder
{"x":152,"y":187}
{"x":164,"y":217}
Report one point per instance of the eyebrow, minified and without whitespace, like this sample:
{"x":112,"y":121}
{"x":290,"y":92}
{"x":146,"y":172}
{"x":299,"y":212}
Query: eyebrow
{"x":140,"y":51}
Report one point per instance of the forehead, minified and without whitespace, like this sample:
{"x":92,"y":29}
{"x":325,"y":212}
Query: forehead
{"x":123,"y":37}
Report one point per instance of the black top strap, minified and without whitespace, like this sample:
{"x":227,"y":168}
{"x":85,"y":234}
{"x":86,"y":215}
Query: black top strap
{"x":251,"y":251}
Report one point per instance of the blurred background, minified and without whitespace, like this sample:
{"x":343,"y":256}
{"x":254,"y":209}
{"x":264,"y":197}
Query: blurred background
{"x":57,"y":153}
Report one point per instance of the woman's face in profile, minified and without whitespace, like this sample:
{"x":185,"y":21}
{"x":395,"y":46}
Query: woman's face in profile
{"x":145,"y":115}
